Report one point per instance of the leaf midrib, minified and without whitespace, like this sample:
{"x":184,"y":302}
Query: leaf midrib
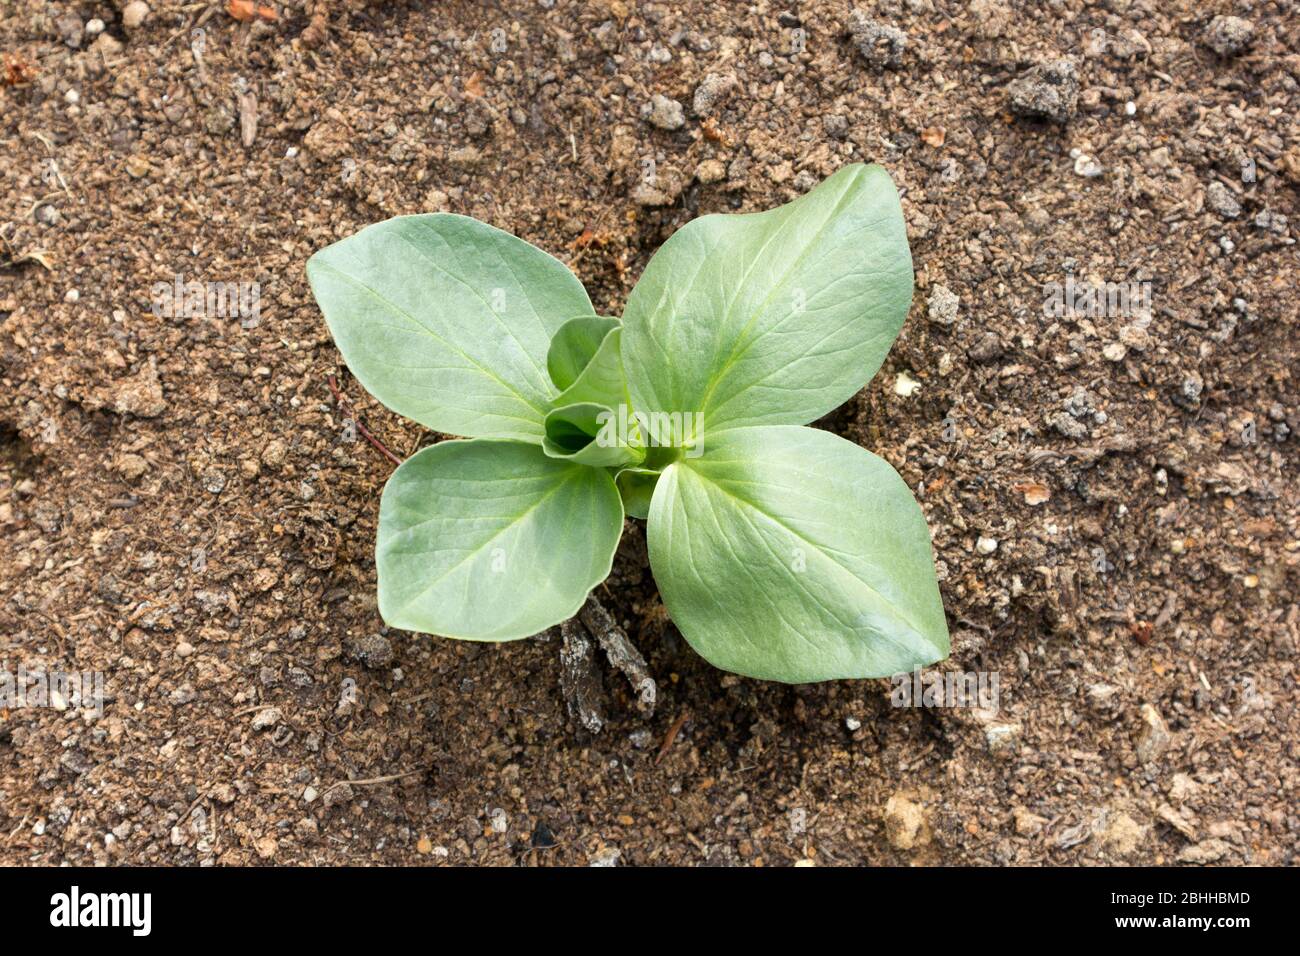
{"x":407,"y":605}
{"x":820,"y":549}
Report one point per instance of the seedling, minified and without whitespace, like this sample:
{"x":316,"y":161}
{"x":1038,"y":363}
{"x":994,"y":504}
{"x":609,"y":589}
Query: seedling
{"x":781,"y":551}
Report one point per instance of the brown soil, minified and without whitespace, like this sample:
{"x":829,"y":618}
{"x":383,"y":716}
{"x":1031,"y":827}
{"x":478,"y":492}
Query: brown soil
{"x":183,"y":508}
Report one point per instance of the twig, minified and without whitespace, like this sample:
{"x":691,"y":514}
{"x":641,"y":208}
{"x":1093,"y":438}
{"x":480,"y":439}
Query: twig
{"x":352,"y":413}
{"x":372,"y":781}
{"x":579,"y":677}
{"x":622,"y":653}
{"x":673,"y":731}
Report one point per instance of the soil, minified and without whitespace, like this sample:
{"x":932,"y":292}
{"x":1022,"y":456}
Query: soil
{"x":185,"y":507}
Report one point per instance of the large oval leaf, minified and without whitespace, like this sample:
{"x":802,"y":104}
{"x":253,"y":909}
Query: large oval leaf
{"x":447,"y":321}
{"x":790,"y":554}
{"x":491,"y":540}
{"x":774,"y":317}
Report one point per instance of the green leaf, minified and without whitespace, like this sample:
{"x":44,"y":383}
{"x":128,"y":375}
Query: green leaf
{"x":636,"y":486}
{"x":491,"y":540}
{"x":790,"y":554}
{"x":587,"y":433}
{"x":574,"y":345}
{"x":774,"y":317}
{"x":601,"y":380}
{"x":447,"y":321}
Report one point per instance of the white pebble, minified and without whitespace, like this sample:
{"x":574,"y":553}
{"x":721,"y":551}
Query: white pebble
{"x":134,"y":14}
{"x":852,"y":723}
{"x":72,"y":295}
{"x":94,"y":27}
{"x":71,"y":97}
{"x":905,"y":386}
{"x":1086,"y":166}
{"x":986,"y":545}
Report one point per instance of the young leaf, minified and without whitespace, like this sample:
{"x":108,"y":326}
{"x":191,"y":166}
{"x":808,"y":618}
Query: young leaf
{"x":637,"y":488}
{"x":447,"y":320}
{"x":492,"y":540}
{"x":585,"y":433}
{"x":601,"y":379}
{"x":574,"y":345}
{"x":790,"y":554}
{"x":774,"y":317}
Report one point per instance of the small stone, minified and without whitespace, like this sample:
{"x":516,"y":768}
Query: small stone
{"x":712,"y":91}
{"x":1189,"y":392}
{"x":1049,"y":90}
{"x":852,"y":723}
{"x":134,"y":14}
{"x":213,"y":481}
{"x":266,"y":718}
{"x":435,"y":200}
{"x":310,"y":794}
{"x":646,"y":195}
{"x":1221,"y":200}
{"x":130,"y":466}
{"x":1027,"y":824}
{"x":374,"y":651}
{"x":1182,"y":788}
{"x":94,"y":27}
{"x":710,"y":171}
{"x":274,"y":452}
{"x":224,"y":793}
{"x":182,"y":695}
{"x":1003,"y":740}
{"x":905,"y":386}
{"x":1270,"y":221}
{"x":1228,"y":36}
{"x":943,"y":305}
{"x":606,"y":857}
{"x":499,"y":821}
{"x":266,"y":847}
{"x":424,"y":846}
{"x":836,"y":126}
{"x":987,"y":348}
{"x":338,"y":795}
{"x":70,"y":29}
{"x":986,"y":546}
{"x":1068,"y":426}
{"x":141,"y":395}
{"x":1207,"y":851}
{"x":1123,"y":834}
{"x":1114,"y":351}
{"x":905,"y":824}
{"x":1153,"y":736}
{"x":880,"y":44}
{"x":664,"y":113}
{"x":1087,"y":166}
